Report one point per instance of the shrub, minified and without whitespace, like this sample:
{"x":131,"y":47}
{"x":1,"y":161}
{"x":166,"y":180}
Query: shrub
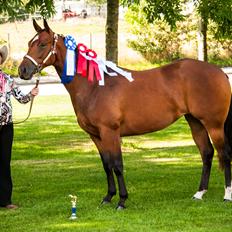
{"x":11,"y":67}
{"x":158,"y":43}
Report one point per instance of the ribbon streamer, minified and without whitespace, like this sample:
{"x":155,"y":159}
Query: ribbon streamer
{"x":82,"y":62}
{"x":70,"y":60}
{"x":97,"y":66}
{"x":124,"y":73}
{"x":93,"y":66}
{"x":101,"y":67}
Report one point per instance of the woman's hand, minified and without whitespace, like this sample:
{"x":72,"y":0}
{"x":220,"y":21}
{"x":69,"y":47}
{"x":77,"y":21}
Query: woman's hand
{"x":35,"y":91}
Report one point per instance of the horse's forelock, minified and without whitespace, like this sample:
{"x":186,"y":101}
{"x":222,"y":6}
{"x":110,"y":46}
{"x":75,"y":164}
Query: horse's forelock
{"x":36,"y":37}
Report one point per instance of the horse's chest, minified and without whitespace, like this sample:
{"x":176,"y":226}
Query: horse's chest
{"x":86,"y":125}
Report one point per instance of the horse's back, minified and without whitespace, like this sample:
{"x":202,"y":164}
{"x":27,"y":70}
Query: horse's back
{"x":157,"y":97}
{"x":164,"y":94}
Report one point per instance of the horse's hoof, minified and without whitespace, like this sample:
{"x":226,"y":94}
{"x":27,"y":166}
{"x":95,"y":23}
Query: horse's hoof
{"x":103,"y":202}
{"x":120,"y":207}
{"x":227,"y":200}
{"x":196,"y":199}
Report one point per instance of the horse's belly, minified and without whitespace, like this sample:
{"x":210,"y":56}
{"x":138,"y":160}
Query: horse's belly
{"x":147,"y":123}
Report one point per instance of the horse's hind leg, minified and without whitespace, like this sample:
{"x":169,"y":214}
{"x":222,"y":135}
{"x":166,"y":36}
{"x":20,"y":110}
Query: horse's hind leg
{"x":224,"y":153}
{"x":201,"y":138}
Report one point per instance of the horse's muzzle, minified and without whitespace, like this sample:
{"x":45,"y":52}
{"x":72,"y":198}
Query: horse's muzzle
{"x":26,"y":69}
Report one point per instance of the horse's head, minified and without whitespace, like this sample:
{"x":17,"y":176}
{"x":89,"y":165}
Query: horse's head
{"x":41,"y":51}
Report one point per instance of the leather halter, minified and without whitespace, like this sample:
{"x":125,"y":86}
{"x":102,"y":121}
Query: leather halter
{"x":52,"y":52}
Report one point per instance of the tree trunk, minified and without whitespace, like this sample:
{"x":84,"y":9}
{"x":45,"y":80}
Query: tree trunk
{"x":112,"y":30}
{"x":202,"y":40}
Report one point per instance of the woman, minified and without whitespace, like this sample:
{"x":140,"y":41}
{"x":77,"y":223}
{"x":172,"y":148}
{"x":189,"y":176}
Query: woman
{"x":8,"y":88}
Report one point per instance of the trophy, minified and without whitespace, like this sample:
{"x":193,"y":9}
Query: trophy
{"x":74,"y":207}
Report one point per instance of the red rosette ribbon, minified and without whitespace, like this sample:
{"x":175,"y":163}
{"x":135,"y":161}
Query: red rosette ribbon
{"x":93,"y":66}
{"x":81,"y":61}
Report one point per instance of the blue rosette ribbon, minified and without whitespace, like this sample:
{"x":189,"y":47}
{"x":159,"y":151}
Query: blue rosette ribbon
{"x":69,"y":70}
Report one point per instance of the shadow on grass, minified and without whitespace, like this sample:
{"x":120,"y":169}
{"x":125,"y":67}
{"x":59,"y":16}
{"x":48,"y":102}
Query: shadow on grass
{"x":53,"y":135}
{"x":53,"y":158}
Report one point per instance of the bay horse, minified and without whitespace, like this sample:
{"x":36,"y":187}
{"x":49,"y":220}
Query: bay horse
{"x":156,"y":98}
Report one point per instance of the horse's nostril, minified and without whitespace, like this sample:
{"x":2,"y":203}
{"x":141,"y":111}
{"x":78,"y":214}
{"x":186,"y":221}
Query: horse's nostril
{"x":22,"y":70}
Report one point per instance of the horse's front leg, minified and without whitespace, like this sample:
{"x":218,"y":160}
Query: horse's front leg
{"x":108,"y":170}
{"x":109,"y":146}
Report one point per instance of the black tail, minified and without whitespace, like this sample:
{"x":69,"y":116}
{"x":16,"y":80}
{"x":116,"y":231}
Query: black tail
{"x":228,"y":128}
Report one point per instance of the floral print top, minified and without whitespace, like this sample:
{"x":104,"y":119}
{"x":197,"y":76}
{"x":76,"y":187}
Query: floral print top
{"x":8,"y":87}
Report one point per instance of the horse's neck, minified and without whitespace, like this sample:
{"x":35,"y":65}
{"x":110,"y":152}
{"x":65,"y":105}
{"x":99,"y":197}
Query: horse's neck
{"x":79,"y":84}
{"x":79,"y":88}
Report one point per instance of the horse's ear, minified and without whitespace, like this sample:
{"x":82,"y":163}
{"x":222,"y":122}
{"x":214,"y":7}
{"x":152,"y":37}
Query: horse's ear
{"x":36,"y":26}
{"x":47,"y":28}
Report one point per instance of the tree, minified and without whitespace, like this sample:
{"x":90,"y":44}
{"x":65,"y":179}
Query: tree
{"x":155,"y":41}
{"x":10,"y":7}
{"x":217,"y":11}
{"x":46,"y":8}
{"x":112,"y":30}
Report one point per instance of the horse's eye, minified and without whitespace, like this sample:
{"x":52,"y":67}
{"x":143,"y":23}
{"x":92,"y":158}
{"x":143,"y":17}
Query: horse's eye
{"x":42,"y":45}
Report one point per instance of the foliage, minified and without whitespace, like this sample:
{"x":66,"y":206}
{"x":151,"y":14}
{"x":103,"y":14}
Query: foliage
{"x":96,"y":2}
{"x":219,"y":49}
{"x":45,"y":7}
{"x":11,"y":7}
{"x":11,"y":67}
{"x":167,"y":10}
{"x":216,"y":11}
{"x":155,"y":41}
{"x":158,"y":43}
{"x":53,"y":157}
{"x":20,"y":15}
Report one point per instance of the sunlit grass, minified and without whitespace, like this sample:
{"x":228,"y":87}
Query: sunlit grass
{"x":53,"y":157}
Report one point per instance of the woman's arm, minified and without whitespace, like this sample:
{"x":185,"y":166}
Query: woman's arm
{"x":24,"y":98}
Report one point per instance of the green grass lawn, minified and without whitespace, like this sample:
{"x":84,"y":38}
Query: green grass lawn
{"x":53,"y":157}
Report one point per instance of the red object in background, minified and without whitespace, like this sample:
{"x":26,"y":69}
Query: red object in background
{"x":70,"y":14}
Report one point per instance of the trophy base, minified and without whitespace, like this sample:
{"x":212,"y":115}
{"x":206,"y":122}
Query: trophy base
{"x":73,"y":217}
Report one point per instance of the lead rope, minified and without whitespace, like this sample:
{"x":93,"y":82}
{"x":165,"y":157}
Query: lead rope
{"x":32,"y":100}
